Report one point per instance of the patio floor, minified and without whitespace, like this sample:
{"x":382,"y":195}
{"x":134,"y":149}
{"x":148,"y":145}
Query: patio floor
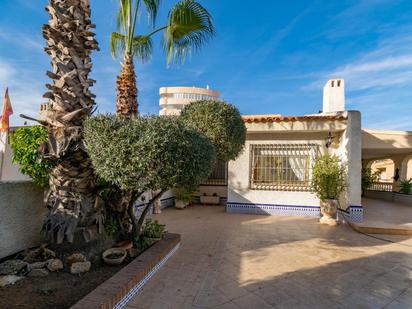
{"x":385,"y":217}
{"x":246,"y":261}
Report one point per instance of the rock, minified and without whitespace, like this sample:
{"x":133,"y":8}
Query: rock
{"x":40,"y":272}
{"x":39,"y":254}
{"x":55,"y":265}
{"x":80,"y":267}
{"x":75,"y":258}
{"x":12,"y":267}
{"x":37,"y":265}
{"x":48,"y":254}
{"x":10,"y":279}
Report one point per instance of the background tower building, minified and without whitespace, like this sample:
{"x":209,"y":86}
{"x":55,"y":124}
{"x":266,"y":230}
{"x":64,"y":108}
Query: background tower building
{"x":174,"y":99}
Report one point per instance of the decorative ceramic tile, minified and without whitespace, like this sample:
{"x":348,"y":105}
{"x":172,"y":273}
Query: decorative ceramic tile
{"x":273,"y":209}
{"x":167,"y":202}
{"x":352,"y":213}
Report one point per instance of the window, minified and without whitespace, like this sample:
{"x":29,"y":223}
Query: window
{"x":219,"y":175}
{"x":283,"y":167}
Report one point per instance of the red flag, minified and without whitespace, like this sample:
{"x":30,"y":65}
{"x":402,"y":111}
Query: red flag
{"x":7,"y":111}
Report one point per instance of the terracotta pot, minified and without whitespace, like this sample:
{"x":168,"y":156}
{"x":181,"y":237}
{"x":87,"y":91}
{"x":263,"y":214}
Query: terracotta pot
{"x":328,"y":208}
{"x":126,"y":245}
{"x":116,"y":261}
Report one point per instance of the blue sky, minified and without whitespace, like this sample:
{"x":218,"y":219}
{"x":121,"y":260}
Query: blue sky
{"x":268,"y":57}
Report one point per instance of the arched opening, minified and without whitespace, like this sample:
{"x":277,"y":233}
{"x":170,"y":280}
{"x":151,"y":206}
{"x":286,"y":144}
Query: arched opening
{"x":407,"y":168}
{"x":384,"y":170}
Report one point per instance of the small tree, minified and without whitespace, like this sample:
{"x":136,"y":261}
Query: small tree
{"x":329,"y":177}
{"x":148,"y":153}
{"x":25,"y":143}
{"x":368,"y":177}
{"x":219,"y":121}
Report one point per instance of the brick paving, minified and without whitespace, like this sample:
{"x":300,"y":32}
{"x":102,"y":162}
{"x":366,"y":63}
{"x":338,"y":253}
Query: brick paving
{"x":246,"y":261}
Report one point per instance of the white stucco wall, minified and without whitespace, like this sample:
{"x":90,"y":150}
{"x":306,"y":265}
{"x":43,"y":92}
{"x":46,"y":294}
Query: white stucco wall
{"x":22,"y":213}
{"x":239,"y":172}
{"x":346,"y":144}
{"x":350,"y":151}
{"x":8,"y":170}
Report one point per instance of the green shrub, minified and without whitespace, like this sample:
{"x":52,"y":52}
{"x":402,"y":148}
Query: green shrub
{"x":25,"y":143}
{"x":368,"y":177}
{"x":221,"y":122}
{"x":151,"y":231}
{"x":184,"y":194}
{"x":329,"y":177}
{"x":406,"y":186}
{"x":148,"y":153}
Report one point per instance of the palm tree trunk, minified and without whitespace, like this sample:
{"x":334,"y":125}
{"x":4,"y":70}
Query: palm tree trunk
{"x":71,"y":200}
{"x":126,"y":105}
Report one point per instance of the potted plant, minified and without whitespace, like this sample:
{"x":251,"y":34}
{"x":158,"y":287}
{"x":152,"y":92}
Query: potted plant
{"x":183,"y":197}
{"x":329,"y":181}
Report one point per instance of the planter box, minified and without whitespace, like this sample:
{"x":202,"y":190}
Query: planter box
{"x":117,"y":291}
{"x":210,"y":200}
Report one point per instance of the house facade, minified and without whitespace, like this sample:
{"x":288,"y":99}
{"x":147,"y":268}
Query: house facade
{"x":273,"y":173}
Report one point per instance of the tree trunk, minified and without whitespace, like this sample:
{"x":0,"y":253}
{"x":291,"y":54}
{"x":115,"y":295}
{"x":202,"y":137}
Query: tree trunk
{"x":71,"y":200}
{"x":126,"y":105}
{"x":145,"y":212}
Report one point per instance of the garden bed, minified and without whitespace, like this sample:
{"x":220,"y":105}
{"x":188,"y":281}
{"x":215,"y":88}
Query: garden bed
{"x":102,"y":287}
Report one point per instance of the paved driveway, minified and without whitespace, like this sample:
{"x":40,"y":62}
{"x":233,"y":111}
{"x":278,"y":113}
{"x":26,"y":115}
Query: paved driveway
{"x":245,"y":261}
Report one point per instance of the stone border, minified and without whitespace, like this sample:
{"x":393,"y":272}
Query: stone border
{"x":117,"y":291}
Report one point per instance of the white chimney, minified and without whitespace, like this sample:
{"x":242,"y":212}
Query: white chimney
{"x":334,"y":96}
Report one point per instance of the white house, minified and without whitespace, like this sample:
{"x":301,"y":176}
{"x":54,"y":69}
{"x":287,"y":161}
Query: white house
{"x":273,"y":173}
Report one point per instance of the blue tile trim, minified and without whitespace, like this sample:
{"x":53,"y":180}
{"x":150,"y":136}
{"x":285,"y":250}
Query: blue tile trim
{"x":137,"y":288}
{"x":167,"y":202}
{"x":353,"y":213}
{"x":273,"y":209}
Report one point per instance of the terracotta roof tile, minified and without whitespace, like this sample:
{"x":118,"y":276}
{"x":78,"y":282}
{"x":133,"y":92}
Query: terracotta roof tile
{"x":279,"y":118}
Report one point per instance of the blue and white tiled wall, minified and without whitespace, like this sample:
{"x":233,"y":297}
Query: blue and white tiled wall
{"x":273,"y":209}
{"x":353,"y":213}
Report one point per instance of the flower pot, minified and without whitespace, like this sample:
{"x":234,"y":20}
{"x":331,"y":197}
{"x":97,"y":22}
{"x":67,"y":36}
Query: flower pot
{"x":119,"y":253}
{"x":180,"y":204}
{"x":328,"y":208}
{"x":209,"y":200}
{"x":126,"y":245}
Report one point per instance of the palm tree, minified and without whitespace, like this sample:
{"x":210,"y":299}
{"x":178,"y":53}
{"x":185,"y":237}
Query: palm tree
{"x":71,"y":199}
{"x":189,"y":25}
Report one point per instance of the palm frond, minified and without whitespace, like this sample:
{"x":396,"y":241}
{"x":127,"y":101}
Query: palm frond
{"x":117,"y":43}
{"x":142,"y":47}
{"x":189,"y":27}
{"x":152,"y":7}
{"x":123,"y":18}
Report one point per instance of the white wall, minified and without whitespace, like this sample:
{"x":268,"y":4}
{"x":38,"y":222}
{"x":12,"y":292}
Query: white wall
{"x":8,"y":170}
{"x":21,"y":216}
{"x":239,"y":173}
{"x":346,"y":144}
{"x":350,"y":151}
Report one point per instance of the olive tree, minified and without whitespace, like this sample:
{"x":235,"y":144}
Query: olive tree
{"x":147,"y":153}
{"x":219,"y":121}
